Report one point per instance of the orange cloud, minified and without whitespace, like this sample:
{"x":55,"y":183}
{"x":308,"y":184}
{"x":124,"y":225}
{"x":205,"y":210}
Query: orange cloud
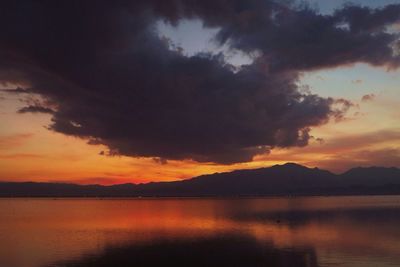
{"x":380,"y":148}
{"x":20,"y":156}
{"x":10,"y":141}
{"x":388,"y":157}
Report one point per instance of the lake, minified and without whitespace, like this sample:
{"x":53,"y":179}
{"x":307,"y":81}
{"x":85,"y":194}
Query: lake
{"x":292,"y":232}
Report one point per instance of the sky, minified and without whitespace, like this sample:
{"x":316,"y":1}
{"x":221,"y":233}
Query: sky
{"x":160,"y":91}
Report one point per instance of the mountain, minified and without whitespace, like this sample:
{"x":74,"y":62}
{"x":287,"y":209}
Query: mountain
{"x":278,"y":180}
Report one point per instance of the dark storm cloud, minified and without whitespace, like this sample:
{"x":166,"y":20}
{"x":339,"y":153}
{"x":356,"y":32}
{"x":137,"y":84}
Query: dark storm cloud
{"x":302,"y":39}
{"x":115,"y":82}
{"x":35,"y":109}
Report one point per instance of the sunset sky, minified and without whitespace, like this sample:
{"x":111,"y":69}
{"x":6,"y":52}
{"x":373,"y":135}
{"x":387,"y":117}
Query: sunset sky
{"x":155,"y":91}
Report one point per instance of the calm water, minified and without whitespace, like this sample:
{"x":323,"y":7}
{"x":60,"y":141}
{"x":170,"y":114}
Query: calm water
{"x":295,"y":232}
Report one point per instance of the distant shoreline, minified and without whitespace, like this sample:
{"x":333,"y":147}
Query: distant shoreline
{"x":193,"y":197}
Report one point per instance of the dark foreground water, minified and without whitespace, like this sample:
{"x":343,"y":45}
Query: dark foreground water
{"x":292,"y":232}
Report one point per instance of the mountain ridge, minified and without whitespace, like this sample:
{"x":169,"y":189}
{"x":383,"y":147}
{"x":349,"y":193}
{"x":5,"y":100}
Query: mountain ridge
{"x":277,"y":180}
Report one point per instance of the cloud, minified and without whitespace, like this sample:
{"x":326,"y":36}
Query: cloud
{"x":160,"y":161}
{"x":301,"y":39}
{"x":340,"y":107}
{"x":375,"y":148}
{"x":367,"y":98}
{"x":387,"y":157}
{"x":360,"y":141}
{"x":18,"y":156}
{"x":115,"y":82}
{"x":35,"y":109}
{"x":17,"y":90}
{"x":319,"y":140}
{"x":357,"y":81}
{"x":10,"y":141}
{"x":337,"y":162}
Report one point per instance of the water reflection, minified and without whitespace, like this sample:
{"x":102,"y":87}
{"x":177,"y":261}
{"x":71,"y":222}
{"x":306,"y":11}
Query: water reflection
{"x":339,"y":231}
{"x":228,"y":250}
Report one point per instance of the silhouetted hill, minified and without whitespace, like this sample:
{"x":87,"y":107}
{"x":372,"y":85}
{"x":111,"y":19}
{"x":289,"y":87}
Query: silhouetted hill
{"x":372,"y":176}
{"x":278,"y":180}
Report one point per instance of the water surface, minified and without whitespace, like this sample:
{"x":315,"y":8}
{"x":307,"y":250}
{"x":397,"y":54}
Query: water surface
{"x":292,"y":232}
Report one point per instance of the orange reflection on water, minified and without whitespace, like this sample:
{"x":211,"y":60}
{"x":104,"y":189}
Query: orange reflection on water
{"x":36,"y":232}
